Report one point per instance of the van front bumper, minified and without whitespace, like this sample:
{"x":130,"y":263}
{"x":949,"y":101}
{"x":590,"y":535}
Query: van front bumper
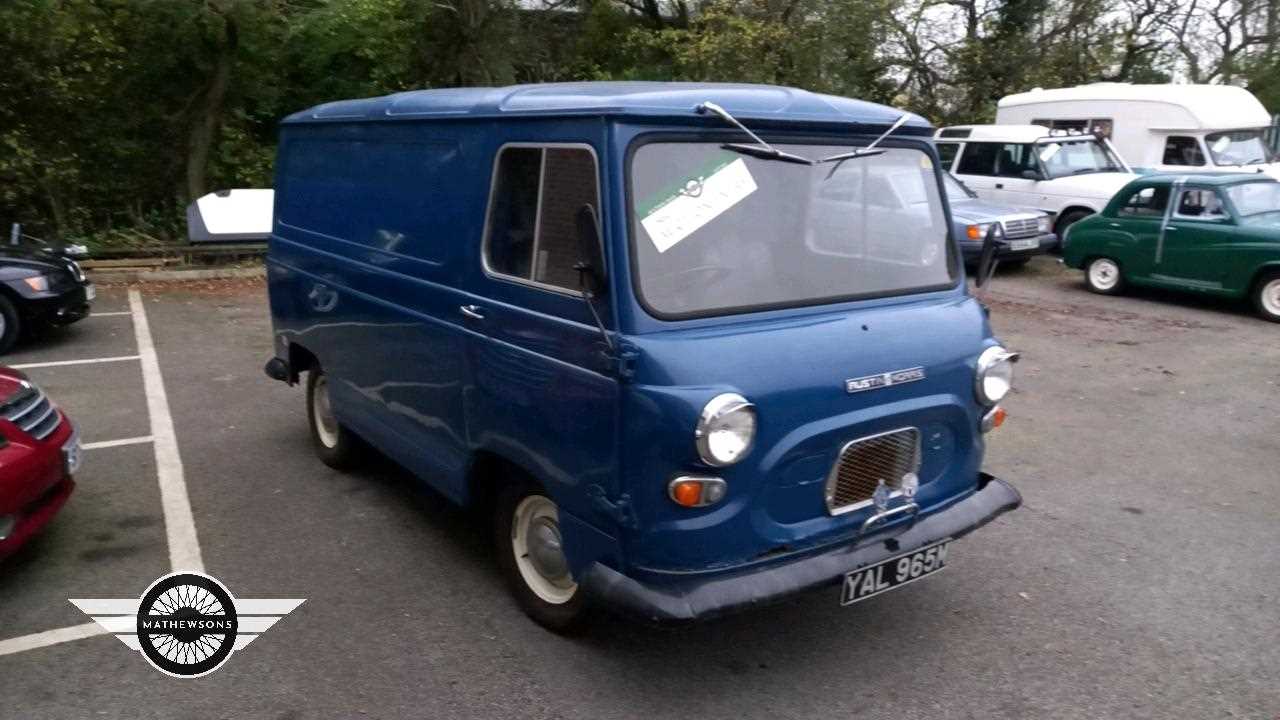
{"x":701,"y":595}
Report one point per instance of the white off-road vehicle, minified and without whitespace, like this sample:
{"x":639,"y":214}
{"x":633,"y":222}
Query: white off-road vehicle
{"x":1069,"y":176}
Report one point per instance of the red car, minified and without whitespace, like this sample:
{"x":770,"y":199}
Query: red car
{"x":39,"y":453}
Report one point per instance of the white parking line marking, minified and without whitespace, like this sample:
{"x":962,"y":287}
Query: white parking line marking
{"x":86,"y":361}
{"x":180,"y":525}
{"x":117,"y":443}
{"x":108,"y":314}
{"x":50,"y":637}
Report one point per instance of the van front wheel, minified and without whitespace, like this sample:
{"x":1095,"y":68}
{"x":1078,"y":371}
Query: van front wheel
{"x":531,"y":555}
{"x":337,"y":446}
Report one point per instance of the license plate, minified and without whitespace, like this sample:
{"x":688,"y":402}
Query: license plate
{"x":1029,"y":244}
{"x":90,"y":292}
{"x":72,"y":453}
{"x":894,"y":572}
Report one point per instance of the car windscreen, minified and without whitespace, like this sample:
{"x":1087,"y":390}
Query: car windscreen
{"x":716,"y":231}
{"x":1255,"y":198}
{"x":1076,"y":157}
{"x":1239,"y":147}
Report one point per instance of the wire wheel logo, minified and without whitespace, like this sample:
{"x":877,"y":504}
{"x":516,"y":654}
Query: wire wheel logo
{"x":187,"y":624}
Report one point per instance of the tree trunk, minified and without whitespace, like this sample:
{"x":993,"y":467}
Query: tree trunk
{"x":204,"y":127}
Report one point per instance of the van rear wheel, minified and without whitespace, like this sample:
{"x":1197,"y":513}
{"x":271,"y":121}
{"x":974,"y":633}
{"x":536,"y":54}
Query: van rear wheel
{"x":531,"y":555}
{"x":337,"y":446}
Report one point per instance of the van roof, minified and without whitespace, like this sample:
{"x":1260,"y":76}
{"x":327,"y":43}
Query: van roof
{"x":1213,"y":106}
{"x":653,"y":99}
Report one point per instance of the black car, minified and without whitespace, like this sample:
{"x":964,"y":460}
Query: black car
{"x":38,"y":288}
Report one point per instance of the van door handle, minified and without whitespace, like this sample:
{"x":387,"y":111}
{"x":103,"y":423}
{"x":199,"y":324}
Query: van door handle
{"x":472,"y":311}
{"x":999,"y":186}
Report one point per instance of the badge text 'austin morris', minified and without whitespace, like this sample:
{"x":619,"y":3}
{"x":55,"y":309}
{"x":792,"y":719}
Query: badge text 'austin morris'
{"x":696,"y":347}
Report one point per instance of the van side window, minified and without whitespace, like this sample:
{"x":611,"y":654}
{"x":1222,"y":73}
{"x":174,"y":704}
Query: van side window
{"x":532,"y":214}
{"x":979,"y":159}
{"x":947,"y":153}
{"x":1149,"y":202}
{"x":1182,"y":150}
{"x":1200,"y":204}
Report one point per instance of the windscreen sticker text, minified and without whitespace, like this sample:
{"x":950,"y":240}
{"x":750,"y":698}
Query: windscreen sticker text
{"x":700,"y":201}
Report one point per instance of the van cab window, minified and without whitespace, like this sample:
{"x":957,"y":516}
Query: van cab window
{"x":714,"y":231}
{"x":1201,"y":204}
{"x":532,"y":234}
{"x":1149,"y":202}
{"x":1182,"y":150}
{"x":1239,"y":147}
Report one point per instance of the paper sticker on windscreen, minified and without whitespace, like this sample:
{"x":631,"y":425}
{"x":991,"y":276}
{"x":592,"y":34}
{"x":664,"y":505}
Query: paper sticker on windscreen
{"x":699,"y":202}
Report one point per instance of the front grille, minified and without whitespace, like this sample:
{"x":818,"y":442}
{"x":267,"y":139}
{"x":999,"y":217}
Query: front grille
{"x":1025,"y":227}
{"x":869,"y":462}
{"x":30,"y":410}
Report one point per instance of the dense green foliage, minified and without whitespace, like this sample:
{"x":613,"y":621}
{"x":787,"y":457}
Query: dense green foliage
{"x":114,"y":113}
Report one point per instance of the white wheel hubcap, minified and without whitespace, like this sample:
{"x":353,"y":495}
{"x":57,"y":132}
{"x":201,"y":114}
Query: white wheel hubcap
{"x":1271,"y":297}
{"x":535,"y":540}
{"x":326,"y":423}
{"x":1104,"y":274}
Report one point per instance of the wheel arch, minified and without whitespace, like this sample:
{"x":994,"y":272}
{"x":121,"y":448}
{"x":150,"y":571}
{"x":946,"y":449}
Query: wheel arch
{"x":300,"y":359}
{"x":1264,"y":271}
{"x":1071,"y":210}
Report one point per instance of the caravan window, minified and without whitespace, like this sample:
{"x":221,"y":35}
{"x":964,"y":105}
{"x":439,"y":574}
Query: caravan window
{"x":1183,"y":150}
{"x":532,"y":232}
{"x":1096,"y":126}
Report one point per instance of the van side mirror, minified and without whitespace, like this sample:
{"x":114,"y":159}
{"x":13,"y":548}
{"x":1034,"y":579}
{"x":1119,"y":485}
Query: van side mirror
{"x":987,"y":261}
{"x":1032,"y":175}
{"x":590,"y":265}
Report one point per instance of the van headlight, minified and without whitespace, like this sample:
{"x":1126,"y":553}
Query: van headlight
{"x":995,"y":374}
{"x":1042,"y":224}
{"x":726,"y":429}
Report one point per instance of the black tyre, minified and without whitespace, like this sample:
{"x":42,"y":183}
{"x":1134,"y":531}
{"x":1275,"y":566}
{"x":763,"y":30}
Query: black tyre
{"x":526,"y":533}
{"x":337,"y":446}
{"x":10,"y":325}
{"x":1266,"y":297}
{"x":1104,"y":276}
{"x":1065,"y":221}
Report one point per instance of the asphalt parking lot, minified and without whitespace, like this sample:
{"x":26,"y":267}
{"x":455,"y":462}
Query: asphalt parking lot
{"x":1141,"y":579}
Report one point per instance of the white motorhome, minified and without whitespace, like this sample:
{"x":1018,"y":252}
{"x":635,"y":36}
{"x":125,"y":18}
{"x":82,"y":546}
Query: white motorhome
{"x":1160,"y":128}
{"x":1068,"y":176}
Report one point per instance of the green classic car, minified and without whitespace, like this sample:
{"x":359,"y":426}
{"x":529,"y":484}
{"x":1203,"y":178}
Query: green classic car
{"x":1213,"y":234}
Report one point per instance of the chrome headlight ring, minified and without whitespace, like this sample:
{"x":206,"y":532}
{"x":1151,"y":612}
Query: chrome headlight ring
{"x":726,"y":429}
{"x":994,"y":378}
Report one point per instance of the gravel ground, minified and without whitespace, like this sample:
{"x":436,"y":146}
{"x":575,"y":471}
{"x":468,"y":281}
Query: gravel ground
{"x":1140,"y":580}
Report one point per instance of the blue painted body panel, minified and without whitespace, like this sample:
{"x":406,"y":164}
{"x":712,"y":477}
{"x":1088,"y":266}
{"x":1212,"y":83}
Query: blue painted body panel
{"x":367,"y":270}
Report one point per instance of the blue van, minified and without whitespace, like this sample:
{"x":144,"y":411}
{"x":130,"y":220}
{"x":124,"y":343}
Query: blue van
{"x":695,"y":347}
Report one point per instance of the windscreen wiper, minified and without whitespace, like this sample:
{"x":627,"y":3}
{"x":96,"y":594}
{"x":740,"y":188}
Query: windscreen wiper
{"x":761,"y":149}
{"x":869,"y":150}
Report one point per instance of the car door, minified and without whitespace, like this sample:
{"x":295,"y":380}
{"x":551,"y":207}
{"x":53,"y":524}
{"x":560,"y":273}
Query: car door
{"x":1012,"y":187}
{"x":1197,"y":240}
{"x":1133,"y":234}
{"x":545,"y":393}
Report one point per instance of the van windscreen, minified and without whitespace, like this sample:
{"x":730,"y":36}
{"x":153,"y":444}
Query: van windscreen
{"x":717,"y":232}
